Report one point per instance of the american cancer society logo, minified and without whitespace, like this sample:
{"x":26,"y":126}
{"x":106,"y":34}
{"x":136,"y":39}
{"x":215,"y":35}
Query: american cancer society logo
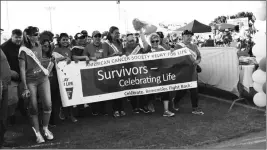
{"x":69,"y":92}
{"x":69,"y":87}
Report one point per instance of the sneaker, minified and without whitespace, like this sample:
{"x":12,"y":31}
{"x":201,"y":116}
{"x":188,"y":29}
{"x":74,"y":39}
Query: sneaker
{"x":116,"y":114}
{"x":48,"y":134}
{"x":151,"y":107}
{"x":94,"y":113}
{"x":104,"y":113}
{"x":136,"y":111}
{"x":61,"y":114}
{"x":168,"y":114}
{"x":85,"y":105}
{"x":39,"y":138}
{"x":51,"y":125}
{"x":197,"y":111}
{"x":145,"y":110}
{"x":175,"y":107}
{"x":122,"y":113}
{"x":73,"y":119}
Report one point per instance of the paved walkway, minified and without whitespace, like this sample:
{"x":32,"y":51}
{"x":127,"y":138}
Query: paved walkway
{"x":251,"y":141}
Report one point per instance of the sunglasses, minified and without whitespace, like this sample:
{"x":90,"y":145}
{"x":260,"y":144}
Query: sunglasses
{"x":117,"y":33}
{"x":82,"y":37}
{"x":97,"y":36}
{"x":35,"y":34}
{"x":156,"y":41}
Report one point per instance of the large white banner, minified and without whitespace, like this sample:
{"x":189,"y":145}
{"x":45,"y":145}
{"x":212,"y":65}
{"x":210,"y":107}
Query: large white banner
{"x":124,"y":76}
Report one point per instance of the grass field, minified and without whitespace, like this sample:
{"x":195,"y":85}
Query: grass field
{"x":185,"y":130}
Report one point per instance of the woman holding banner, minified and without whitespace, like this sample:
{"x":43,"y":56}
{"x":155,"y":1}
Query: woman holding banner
{"x":94,"y":51}
{"x":34,"y":78}
{"x":65,"y":55}
{"x":187,"y":38}
{"x":139,"y":103}
{"x":156,"y":47}
{"x":113,"y":47}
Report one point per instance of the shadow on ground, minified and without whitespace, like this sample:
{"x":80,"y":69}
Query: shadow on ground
{"x":149,"y":130}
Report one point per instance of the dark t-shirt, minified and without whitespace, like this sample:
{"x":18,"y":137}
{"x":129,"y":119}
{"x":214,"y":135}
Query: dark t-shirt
{"x":5,"y":73}
{"x":33,"y":71}
{"x":77,"y":51}
{"x":92,"y":50}
{"x":11,"y":51}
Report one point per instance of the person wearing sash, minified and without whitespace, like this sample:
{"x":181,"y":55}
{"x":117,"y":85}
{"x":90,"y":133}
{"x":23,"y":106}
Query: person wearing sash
{"x":94,"y":51}
{"x":113,"y":47}
{"x":48,"y":62}
{"x":65,"y":54}
{"x":186,"y":42}
{"x":35,"y":82}
{"x":156,"y":47}
{"x":139,"y":103}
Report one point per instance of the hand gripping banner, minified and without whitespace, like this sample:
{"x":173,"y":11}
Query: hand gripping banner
{"x":124,"y":76}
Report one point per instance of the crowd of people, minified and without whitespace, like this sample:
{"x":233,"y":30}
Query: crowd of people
{"x":28,"y":63}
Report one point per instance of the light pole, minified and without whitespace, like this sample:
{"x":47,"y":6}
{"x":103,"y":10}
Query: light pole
{"x":7,"y":16}
{"x":50,"y":9}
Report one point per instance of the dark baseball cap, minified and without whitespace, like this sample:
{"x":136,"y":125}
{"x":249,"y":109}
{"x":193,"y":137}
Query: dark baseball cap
{"x":187,"y":32}
{"x":80,"y":36}
{"x":84,"y":32}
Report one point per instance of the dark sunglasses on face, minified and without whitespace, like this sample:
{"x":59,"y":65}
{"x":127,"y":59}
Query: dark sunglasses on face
{"x":35,"y":34}
{"x":82,"y":37}
{"x":117,"y":33}
{"x":97,"y":36}
{"x":132,"y":41}
{"x":156,"y":41}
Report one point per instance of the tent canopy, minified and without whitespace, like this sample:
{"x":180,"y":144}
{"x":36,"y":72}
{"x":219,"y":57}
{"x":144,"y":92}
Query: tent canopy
{"x":195,"y":27}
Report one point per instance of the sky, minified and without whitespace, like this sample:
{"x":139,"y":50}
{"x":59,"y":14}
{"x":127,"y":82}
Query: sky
{"x":74,"y":16}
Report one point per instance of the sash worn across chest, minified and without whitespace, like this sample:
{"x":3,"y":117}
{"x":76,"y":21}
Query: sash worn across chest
{"x":32,"y":55}
{"x":112,"y":46}
{"x":136,"y":50}
{"x":191,"y":51}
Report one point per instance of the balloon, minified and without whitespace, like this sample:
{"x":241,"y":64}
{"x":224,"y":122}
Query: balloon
{"x":264,"y":87}
{"x":261,"y":12}
{"x":259,"y":99}
{"x":258,"y":59}
{"x":259,"y":49}
{"x":138,"y":24}
{"x":262,"y":64}
{"x":149,"y":29}
{"x":257,"y":87}
{"x":259,"y":76}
